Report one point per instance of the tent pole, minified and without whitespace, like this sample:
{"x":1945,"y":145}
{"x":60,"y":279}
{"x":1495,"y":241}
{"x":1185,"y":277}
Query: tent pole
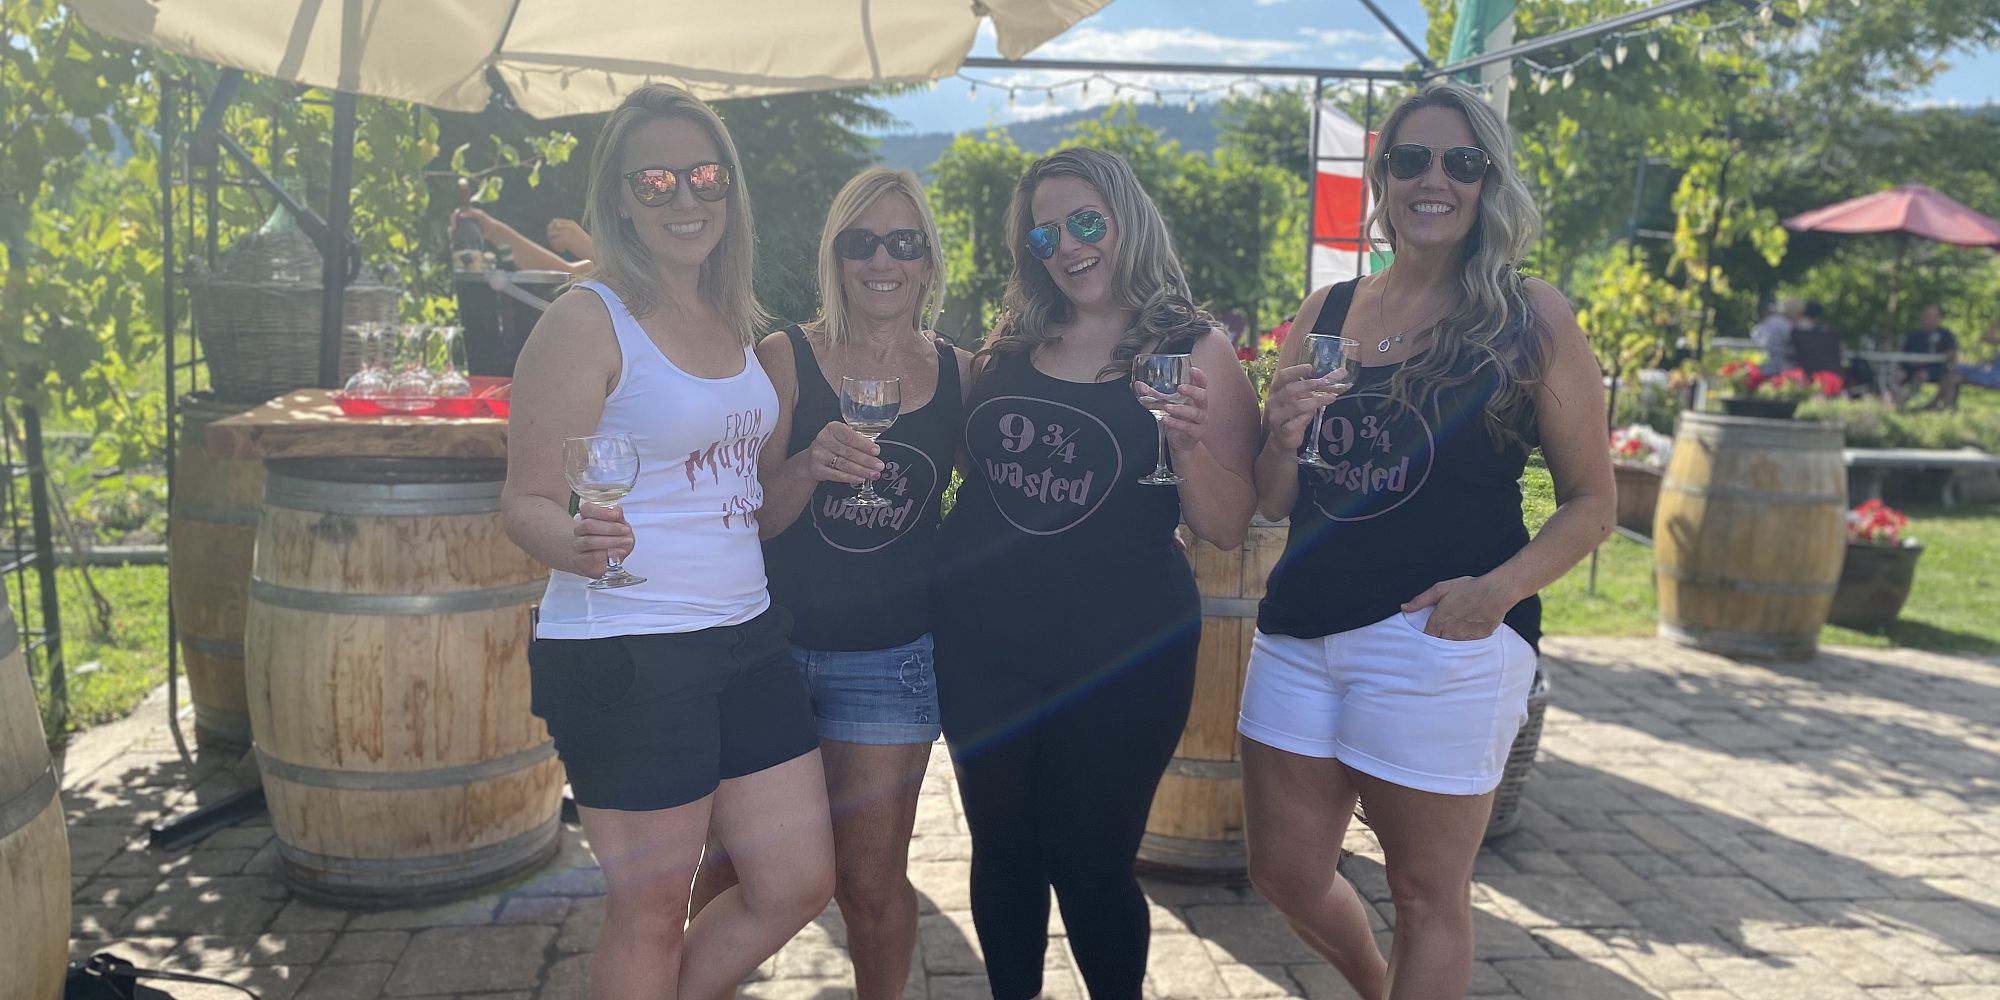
{"x":1895,"y":287}
{"x":333,"y":251}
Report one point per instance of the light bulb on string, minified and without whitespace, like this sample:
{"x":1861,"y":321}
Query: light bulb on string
{"x":1765,"y":13}
{"x":1544,"y":83}
{"x":1190,"y":104}
{"x":1569,"y":77}
{"x":1604,"y":59}
{"x":1086,"y":86}
{"x":1653,"y":49}
{"x":972,"y":92}
{"x":1805,"y":7}
{"x":1010,"y":98}
{"x":1051,"y":95}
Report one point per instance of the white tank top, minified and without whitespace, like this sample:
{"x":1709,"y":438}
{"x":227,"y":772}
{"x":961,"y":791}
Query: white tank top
{"x":694,"y":511}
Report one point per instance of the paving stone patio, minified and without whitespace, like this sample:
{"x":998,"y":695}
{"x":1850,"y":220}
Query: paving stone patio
{"x":1696,"y":829}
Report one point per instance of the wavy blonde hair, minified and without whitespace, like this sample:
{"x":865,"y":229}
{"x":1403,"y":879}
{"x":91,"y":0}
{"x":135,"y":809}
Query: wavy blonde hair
{"x":856,"y":197}
{"x":1492,"y":321}
{"x":623,"y":263}
{"x":1145,"y":273}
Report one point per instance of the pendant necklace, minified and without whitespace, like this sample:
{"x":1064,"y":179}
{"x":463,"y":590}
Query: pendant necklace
{"x":1382,"y":317}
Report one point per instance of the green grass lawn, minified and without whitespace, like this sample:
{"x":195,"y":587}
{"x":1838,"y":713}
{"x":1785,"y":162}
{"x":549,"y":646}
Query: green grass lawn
{"x":1952,"y":608}
{"x":109,"y":671}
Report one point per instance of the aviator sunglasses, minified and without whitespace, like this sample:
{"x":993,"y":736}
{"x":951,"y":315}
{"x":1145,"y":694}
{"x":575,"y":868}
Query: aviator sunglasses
{"x":1086,"y":224}
{"x":1464,"y":164}
{"x":655,"y":186}
{"x":860,"y":244}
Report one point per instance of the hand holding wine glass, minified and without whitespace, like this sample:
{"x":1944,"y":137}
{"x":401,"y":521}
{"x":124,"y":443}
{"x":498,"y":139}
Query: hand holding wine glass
{"x":1335,"y":366}
{"x":1158,"y":380}
{"x":870,"y":406}
{"x":601,"y":470}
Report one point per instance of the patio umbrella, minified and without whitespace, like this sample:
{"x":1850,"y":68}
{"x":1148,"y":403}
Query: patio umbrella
{"x":564,"y":57}
{"x":1911,"y":210}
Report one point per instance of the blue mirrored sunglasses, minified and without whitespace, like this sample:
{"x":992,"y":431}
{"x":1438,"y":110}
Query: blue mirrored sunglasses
{"x":1088,"y":225}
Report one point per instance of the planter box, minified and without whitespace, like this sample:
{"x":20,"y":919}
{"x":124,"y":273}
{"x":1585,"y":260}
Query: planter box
{"x":1875,"y":582}
{"x":1638,"y":495}
{"x":1769,"y":409}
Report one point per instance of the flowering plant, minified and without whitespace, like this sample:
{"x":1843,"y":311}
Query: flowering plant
{"x":1744,"y":380}
{"x":1877,"y":523}
{"x":1641,"y":445}
{"x":1261,"y":360}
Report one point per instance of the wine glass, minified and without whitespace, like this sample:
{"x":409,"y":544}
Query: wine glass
{"x":410,"y":387}
{"x":1328,"y":354}
{"x":1164,"y":374}
{"x":449,"y":384}
{"x":370,"y":381}
{"x":869,"y":405}
{"x":601,"y":469}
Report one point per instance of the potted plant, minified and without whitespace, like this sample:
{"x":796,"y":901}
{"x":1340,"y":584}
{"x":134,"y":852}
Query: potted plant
{"x":1881,"y":565}
{"x":1748,"y":392}
{"x":1638,"y":454}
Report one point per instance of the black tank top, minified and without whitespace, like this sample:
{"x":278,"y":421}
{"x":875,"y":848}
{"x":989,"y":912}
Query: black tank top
{"x":1413,"y":498}
{"x":1053,"y":537}
{"x":857,"y":578}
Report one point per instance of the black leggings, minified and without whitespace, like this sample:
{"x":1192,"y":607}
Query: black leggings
{"x":1057,"y":775}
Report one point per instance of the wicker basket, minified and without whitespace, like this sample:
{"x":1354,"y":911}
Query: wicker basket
{"x":1520,"y":760}
{"x":257,"y":315}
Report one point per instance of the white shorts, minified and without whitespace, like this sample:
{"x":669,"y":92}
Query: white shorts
{"x":1392,"y":701}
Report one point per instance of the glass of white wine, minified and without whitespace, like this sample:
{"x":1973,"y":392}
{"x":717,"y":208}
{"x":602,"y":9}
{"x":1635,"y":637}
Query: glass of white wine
{"x":869,"y":405}
{"x":1332,"y":358}
{"x":601,"y":469}
{"x":1163,"y":374}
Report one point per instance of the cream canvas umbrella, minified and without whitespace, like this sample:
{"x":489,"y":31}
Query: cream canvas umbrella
{"x":562,"y":57}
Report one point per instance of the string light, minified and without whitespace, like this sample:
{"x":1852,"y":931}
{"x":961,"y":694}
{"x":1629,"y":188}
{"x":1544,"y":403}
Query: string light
{"x":1653,"y":49}
{"x":1620,"y":52}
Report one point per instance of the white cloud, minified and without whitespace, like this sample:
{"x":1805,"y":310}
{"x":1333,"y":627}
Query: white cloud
{"x":1164,"y":45}
{"x":1344,"y":38}
{"x":1270,"y":3}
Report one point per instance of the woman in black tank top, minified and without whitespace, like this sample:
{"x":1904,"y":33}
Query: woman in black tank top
{"x":1394,"y":646}
{"x":856,"y":578}
{"x":1067,"y":620}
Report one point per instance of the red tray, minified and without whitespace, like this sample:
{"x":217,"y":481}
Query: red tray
{"x":475,"y":405}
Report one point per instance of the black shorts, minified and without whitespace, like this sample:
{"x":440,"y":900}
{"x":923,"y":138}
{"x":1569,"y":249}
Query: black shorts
{"x":645,"y":722}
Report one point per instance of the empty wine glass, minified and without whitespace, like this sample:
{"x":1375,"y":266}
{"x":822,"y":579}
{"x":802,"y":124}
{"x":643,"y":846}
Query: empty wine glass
{"x":869,"y":405}
{"x":449,"y":384}
{"x":1328,"y":355}
{"x":411,"y":385}
{"x":370,"y":380}
{"x":601,"y":469}
{"x":1163,"y":374}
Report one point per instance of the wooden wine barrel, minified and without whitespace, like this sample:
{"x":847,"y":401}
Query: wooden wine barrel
{"x":34,"y":844}
{"x":388,"y":677}
{"x":1750,"y":534}
{"x":211,"y":533}
{"x":1195,"y":830}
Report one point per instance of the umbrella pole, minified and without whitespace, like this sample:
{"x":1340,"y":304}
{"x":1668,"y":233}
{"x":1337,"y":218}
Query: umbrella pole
{"x":1895,"y":285}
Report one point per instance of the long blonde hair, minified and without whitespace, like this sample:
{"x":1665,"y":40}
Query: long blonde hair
{"x":622,"y":260}
{"x":1492,"y":320}
{"x":1145,"y":273}
{"x":856,"y":197}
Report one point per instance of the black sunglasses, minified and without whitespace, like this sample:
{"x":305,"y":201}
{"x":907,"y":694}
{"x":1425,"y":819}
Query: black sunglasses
{"x":655,"y":186}
{"x":1086,"y":224}
{"x":860,"y":244}
{"x":1464,"y":164}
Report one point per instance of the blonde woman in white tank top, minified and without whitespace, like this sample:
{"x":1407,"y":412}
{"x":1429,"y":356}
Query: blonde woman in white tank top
{"x":674,"y":704}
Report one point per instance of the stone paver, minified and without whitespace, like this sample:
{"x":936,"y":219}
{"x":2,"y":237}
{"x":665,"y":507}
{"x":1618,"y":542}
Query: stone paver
{"x":1696,"y":829}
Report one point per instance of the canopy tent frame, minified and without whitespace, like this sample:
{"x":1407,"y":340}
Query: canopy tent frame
{"x":340,"y":252}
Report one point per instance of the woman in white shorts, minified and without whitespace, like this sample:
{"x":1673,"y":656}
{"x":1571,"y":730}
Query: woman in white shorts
{"x":1396,"y":644}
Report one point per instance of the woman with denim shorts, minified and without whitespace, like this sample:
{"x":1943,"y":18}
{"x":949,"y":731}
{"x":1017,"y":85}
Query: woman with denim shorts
{"x":855,"y":578}
{"x":672,"y":700}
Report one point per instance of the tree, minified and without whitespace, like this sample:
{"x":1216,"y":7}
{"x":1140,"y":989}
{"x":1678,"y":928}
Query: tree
{"x":1270,"y":126}
{"x":972,"y":182}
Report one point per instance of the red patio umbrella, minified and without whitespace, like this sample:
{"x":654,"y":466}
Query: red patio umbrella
{"x":1906,"y":211}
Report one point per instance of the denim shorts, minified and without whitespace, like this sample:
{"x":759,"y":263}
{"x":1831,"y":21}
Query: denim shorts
{"x":880,"y":697}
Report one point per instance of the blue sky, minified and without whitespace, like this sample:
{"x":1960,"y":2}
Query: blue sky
{"x":1240,"y":32}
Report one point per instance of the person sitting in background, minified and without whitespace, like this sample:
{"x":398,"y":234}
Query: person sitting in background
{"x":1984,"y":374}
{"x":1815,"y":346}
{"x":564,"y":235}
{"x":1773,"y":334}
{"x":1931,"y":337}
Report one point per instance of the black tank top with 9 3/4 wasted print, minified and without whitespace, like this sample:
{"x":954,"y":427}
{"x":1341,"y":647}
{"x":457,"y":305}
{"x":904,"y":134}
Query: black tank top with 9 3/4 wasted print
{"x":858,"y":578}
{"x":1413,"y":498}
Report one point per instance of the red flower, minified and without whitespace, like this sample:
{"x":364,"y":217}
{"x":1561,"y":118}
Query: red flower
{"x":1278,"y":332}
{"x":1828,"y":383}
{"x":1246,"y":354}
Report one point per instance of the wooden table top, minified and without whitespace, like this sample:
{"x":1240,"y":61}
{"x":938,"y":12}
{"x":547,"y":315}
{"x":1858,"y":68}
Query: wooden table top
{"x":308,"y":424}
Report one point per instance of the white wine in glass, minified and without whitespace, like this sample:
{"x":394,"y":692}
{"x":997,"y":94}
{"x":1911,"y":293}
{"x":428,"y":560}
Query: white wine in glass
{"x":1333,"y":359}
{"x":1163,"y":374}
{"x":870,"y":406}
{"x":601,"y":470}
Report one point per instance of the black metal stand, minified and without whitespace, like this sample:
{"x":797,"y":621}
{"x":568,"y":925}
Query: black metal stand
{"x":175,"y":834}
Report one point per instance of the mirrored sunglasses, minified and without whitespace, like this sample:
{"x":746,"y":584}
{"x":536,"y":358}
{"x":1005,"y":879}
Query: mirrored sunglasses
{"x":1088,"y":225}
